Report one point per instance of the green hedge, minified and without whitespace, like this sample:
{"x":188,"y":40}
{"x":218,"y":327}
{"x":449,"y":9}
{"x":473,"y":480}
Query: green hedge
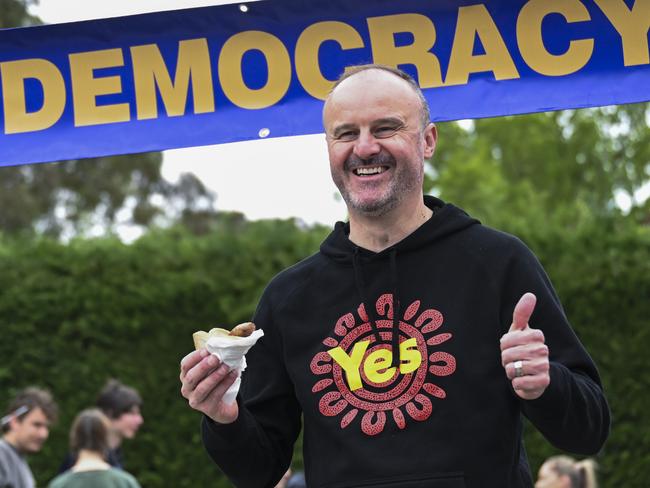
{"x":602,"y":274}
{"x":73,"y":315}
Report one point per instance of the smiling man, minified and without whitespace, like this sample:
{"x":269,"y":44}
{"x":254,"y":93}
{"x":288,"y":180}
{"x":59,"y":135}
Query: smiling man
{"x":412,"y":344}
{"x":26,"y":426}
{"x":377,"y":142}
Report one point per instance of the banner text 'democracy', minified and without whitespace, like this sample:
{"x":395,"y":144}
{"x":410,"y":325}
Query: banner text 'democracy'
{"x":239,"y":72}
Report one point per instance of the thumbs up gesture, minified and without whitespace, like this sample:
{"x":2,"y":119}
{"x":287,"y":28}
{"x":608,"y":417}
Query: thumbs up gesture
{"x":524,"y":355}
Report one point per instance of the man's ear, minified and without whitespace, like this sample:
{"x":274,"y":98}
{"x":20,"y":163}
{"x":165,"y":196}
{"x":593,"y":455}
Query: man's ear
{"x":430,"y":139}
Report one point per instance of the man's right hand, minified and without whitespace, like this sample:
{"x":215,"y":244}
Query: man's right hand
{"x":204,"y":381}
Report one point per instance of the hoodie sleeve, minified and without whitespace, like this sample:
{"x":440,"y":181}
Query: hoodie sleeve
{"x":572,"y":413}
{"x":256,"y":450}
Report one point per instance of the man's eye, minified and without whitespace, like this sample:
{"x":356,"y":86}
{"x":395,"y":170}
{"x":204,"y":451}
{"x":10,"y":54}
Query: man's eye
{"x":347,"y":136}
{"x":385,"y":131}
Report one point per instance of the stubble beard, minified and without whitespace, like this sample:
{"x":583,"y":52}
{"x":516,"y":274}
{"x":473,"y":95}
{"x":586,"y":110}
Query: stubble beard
{"x":406,"y":179}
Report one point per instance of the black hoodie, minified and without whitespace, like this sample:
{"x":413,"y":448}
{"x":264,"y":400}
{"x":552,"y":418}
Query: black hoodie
{"x":438,"y":411}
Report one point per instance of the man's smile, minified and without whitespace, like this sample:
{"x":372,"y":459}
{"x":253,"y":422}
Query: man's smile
{"x":369,"y":170}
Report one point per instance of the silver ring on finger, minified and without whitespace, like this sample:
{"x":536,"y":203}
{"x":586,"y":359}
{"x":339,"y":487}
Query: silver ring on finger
{"x":519,"y":368}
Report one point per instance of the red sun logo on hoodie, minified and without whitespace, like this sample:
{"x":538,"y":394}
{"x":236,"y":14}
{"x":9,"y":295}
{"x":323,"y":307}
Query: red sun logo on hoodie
{"x":358,"y":379}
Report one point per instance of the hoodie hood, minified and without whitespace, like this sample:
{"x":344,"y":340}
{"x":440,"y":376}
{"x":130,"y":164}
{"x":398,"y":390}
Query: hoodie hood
{"x":445,"y":221}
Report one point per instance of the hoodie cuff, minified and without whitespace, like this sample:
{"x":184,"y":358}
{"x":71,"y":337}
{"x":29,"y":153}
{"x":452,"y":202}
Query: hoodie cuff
{"x":221,"y":429}
{"x":553,"y":400}
{"x":225,"y":430}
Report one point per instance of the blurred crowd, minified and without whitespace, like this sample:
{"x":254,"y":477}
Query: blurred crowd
{"x":96,"y":435}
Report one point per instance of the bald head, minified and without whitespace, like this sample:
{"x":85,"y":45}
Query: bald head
{"x":381,"y":70}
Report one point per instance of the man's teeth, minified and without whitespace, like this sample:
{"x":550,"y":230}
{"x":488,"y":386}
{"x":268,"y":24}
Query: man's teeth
{"x":369,"y":170}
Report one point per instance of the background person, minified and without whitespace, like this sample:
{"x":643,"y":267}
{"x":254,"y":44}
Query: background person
{"x":292,"y":480}
{"x":89,"y":443}
{"x":297,"y":480}
{"x":412,"y":343}
{"x":285,"y":478}
{"x":122,"y":405}
{"x":25,"y":427}
{"x":566,"y":472}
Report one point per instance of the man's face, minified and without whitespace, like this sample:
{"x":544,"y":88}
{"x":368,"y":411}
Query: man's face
{"x":376,"y":142}
{"x":127,"y":424}
{"x":29,"y":433}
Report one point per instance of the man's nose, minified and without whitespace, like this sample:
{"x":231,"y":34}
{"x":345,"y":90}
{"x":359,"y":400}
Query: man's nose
{"x":366,"y":145}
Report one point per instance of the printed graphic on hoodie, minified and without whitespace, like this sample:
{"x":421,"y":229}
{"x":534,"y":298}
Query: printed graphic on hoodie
{"x":358,"y":382}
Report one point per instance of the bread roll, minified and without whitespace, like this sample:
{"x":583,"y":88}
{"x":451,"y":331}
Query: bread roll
{"x":242,"y":330}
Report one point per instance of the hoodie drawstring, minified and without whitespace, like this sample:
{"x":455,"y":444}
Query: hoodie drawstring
{"x":397,"y":359}
{"x":358,"y":280}
{"x":371,"y":311}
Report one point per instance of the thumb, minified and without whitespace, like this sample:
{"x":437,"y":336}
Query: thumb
{"x":523,"y":311}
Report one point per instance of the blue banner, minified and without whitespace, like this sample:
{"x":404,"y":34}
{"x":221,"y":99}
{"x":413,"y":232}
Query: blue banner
{"x":247,"y":71}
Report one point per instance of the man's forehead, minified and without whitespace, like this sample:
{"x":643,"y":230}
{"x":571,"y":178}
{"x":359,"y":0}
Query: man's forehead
{"x":36,"y":415}
{"x":373,"y":77}
{"x":375,"y":94}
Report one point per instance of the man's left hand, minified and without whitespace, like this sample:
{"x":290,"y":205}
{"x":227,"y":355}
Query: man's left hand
{"x":524,"y":355}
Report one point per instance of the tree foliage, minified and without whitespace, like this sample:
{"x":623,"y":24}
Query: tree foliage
{"x":563,"y":167}
{"x":14,"y":13}
{"x":78,"y":196}
{"x":75,"y":196}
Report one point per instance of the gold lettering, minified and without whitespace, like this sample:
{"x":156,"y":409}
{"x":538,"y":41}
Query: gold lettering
{"x":86,"y":88}
{"x":632,"y":25}
{"x":384,"y":51}
{"x":531,"y":42}
{"x":149,"y":72}
{"x":14,"y":74}
{"x":475,"y":21}
{"x":307,"y":47}
{"x":230,"y":70}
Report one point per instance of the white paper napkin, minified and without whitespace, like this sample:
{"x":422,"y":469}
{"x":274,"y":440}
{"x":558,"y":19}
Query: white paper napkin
{"x":231,"y":350}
